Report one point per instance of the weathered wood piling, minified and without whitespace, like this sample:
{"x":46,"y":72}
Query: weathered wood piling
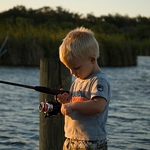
{"x":51,"y":131}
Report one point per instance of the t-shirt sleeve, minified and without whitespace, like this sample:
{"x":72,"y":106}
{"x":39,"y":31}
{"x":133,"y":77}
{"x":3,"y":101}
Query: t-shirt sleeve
{"x":100,"y":87}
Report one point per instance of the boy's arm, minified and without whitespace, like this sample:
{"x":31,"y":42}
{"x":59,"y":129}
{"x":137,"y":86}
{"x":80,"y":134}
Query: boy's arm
{"x":94,"y":106}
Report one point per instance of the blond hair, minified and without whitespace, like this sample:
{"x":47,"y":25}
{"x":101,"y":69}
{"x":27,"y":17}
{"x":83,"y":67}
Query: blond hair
{"x":79,"y":43}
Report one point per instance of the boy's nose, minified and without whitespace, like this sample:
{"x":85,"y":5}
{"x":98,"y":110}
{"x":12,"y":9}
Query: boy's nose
{"x":72,"y":71}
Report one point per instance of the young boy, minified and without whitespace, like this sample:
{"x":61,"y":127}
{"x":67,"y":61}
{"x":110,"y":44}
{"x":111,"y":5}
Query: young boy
{"x":86,"y":107}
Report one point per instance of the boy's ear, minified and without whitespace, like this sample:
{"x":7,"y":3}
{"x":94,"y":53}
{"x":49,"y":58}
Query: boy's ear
{"x":92,"y":59}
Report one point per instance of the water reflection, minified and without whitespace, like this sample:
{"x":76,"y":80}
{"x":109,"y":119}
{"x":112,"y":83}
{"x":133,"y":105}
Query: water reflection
{"x":128,"y":122}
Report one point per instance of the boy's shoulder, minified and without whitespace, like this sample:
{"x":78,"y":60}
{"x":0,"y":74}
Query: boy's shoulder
{"x":98,"y":74}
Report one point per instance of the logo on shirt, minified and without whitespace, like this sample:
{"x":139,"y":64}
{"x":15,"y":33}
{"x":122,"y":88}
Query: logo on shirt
{"x":100,"y":87}
{"x":78,"y":99}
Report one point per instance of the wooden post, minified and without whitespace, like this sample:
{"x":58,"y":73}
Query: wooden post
{"x":52,"y":129}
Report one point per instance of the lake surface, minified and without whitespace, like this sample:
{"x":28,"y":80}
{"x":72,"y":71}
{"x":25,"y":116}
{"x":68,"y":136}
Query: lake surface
{"x":129,"y":113}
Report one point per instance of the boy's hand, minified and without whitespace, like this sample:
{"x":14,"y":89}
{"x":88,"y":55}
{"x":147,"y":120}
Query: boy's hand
{"x":66,"y":109}
{"x":63,"y":98}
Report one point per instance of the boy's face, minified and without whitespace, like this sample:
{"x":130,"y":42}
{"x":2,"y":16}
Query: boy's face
{"x":82,"y":68}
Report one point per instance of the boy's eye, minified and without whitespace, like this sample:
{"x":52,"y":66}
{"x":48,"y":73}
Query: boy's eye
{"x":76,"y":68}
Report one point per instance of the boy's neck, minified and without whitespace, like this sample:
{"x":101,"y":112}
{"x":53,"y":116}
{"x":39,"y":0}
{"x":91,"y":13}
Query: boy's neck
{"x":96,"y":68}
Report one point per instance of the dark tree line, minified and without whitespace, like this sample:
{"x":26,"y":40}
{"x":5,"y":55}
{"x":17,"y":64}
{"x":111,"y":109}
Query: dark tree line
{"x":40,"y":32}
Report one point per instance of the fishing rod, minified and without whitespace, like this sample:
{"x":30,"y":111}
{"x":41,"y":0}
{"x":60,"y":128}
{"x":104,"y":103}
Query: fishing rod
{"x":49,"y":108}
{"x":36,"y":88}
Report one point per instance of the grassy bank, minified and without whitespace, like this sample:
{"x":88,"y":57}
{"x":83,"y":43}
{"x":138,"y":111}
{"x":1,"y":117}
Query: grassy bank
{"x":27,"y":49}
{"x":36,"y":34}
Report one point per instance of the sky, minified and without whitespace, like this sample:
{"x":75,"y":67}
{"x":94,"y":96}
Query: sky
{"x":131,"y":8}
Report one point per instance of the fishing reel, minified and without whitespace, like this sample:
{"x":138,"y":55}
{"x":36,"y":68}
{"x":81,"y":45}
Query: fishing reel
{"x":50,"y":108}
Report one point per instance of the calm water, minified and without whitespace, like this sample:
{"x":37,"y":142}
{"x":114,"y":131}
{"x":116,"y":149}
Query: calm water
{"x":129,"y":115}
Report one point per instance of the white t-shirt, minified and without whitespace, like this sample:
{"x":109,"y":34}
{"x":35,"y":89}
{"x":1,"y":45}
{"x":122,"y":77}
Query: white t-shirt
{"x":80,"y":126}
